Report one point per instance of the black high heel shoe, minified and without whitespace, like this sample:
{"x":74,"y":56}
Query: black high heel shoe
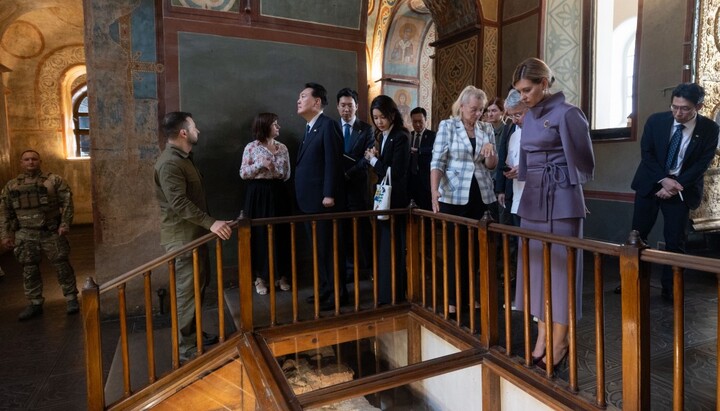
{"x":559,"y":366}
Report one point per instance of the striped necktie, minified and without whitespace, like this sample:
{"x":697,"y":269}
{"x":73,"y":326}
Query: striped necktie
{"x":674,"y":148}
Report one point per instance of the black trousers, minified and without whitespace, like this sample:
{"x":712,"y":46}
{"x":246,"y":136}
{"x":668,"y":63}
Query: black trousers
{"x":475,"y":208}
{"x":675,"y":216}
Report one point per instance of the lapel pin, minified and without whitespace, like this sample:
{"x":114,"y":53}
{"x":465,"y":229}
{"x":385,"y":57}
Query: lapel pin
{"x":546,"y":124}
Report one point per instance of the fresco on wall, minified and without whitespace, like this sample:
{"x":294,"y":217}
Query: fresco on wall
{"x":214,"y":5}
{"x":135,"y":33}
{"x":402,"y":51}
{"x":450,"y":16}
{"x":406,"y":98}
{"x":563,"y":46}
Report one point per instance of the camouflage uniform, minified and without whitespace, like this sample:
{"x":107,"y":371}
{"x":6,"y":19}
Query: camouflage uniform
{"x":33,"y":208}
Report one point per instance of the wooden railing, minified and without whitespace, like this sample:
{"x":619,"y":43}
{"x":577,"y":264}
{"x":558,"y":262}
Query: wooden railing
{"x":428,"y":278}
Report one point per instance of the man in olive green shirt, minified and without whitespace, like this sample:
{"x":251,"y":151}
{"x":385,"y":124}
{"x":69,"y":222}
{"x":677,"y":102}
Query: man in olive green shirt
{"x":179,"y":190}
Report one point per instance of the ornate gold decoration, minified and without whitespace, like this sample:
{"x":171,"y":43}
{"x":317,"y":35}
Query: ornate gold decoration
{"x":48,"y":83}
{"x":707,"y":216}
{"x":490,"y":63}
{"x":451,"y":15}
{"x":456,"y":65}
{"x":562,"y":46}
{"x":426,"y":73}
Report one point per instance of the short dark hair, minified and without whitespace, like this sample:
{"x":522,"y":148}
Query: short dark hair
{"x":496,"y":101}
{"x":689,"y":91}
{"x":262,"y":125}
{"x":29,"y":151}
{"x":173,"y":122}
{"x":419,"y":110}
{"x":318,"y":91}
{"x":347,"y":92}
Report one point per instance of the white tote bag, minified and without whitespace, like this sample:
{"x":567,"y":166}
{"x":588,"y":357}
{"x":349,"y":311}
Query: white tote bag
{"x":381,"y":201}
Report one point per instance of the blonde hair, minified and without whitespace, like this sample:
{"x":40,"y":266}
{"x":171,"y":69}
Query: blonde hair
{"x":464,"y":97}
{"x":535,"y":70}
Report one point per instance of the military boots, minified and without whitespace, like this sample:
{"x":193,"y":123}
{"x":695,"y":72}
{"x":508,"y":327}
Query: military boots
{"x":32,"y":310}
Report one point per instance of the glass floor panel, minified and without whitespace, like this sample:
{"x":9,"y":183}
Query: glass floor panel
{"x":328,"y":357}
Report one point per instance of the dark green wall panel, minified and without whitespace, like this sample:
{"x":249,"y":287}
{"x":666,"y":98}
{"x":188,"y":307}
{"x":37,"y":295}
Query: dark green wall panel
{"x":342,"y":13}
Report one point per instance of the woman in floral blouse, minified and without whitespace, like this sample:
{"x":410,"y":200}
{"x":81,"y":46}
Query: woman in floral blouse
{"x":266,"y":166}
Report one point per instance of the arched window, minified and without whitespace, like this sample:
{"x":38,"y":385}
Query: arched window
{"x":76,"y":116}
{"x":81,"y":122}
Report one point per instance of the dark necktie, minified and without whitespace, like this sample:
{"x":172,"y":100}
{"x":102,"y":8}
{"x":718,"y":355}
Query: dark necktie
{"x":347,"y":137}
{"x":414,"y":155}
{"x":674,"y":148}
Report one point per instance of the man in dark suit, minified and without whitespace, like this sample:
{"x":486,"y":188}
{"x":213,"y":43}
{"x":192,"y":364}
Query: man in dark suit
{"x":421,"y":144}
{"x":319,"y":184}
{"x":676,"y":149}
{"x":357,"y":137}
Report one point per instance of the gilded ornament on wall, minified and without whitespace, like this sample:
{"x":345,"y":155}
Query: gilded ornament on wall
{"x":707,"y":216}
{"x":456,"y":64}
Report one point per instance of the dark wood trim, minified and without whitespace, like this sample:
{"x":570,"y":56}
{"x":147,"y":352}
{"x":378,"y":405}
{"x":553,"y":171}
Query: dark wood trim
{"x":319,"y":325}
{"x":463,"y":34}
{"x":610,"y":135}
{"x":273,"y":368}
{"x":609,"y":196}
{"x":522,"y":16}
{"x":160,"y":49}
{"x":688,"y":43}
{"x":541,"y":30}
{"x":533,"y":381}
{"x":636,"y":76}
{"x":448,"y":331}
{"x":175,"y":380}
{"x":392,"y":379}
{"x":586,"y":73}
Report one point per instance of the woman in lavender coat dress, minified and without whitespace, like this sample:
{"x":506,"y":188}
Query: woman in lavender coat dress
{"x":556,"y":158}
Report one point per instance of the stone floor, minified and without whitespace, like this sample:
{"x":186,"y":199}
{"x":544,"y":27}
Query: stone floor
{"x":42,"y":366}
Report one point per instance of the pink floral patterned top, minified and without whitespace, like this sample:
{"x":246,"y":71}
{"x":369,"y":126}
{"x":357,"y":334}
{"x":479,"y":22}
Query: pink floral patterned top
{"x":254,"y":157}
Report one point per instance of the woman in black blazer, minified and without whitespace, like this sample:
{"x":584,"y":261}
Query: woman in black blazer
{"x":390,"y":151}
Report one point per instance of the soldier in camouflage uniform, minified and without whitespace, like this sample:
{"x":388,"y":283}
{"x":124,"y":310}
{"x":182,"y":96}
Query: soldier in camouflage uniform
{"x":36,"y":210}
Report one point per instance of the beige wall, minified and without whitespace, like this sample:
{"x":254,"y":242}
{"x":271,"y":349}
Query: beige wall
{"x":38,"y":47}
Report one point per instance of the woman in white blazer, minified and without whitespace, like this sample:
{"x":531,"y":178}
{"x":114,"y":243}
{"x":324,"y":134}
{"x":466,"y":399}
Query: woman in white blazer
{"x":460,"y":174}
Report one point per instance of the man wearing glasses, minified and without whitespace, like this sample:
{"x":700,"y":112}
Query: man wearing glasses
{"x":676,"y":149}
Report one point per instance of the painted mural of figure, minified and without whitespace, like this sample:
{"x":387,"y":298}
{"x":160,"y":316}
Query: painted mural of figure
{"x":403,"y":50}
{"x":402,"y":97}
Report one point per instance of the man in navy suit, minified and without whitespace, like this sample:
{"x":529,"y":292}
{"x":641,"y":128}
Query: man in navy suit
{"x":421,"y":145}
{"x":676,"y":149}
{"x":319,"y":184}
{"x":357,"y":137}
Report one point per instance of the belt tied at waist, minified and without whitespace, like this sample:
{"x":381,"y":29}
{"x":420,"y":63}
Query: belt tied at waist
{"x":553,"y":174}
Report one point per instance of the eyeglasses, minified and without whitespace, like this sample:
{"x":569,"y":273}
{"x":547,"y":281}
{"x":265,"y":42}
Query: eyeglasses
{"x":516,"y":116}
{"x":684,"y":109}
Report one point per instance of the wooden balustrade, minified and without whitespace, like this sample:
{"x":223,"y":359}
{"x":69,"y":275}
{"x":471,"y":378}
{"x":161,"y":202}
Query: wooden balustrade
{"x":422,"y":264}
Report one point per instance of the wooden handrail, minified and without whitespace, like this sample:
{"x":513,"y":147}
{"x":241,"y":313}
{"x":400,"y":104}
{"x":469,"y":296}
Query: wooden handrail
{"x":634,"y":263}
